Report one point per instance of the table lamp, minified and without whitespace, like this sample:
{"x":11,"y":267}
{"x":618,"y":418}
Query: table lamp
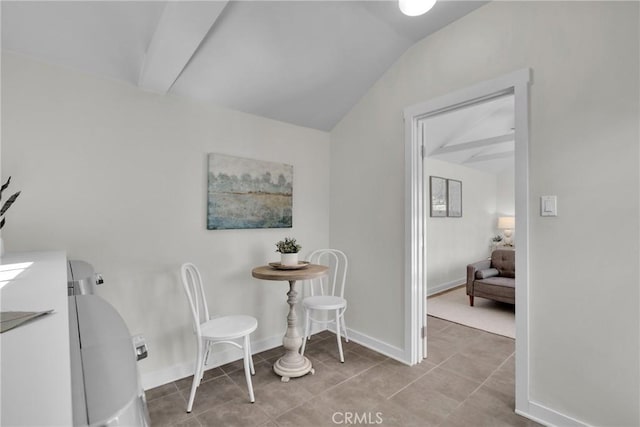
{"x":507,"y":223}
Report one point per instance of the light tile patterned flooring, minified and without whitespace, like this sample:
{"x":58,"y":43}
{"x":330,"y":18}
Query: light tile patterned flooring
{"x":467,"y":380}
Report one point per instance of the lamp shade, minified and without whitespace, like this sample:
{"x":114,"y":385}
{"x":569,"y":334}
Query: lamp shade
{"x":415,"y":7}
{"x":506,"y":223}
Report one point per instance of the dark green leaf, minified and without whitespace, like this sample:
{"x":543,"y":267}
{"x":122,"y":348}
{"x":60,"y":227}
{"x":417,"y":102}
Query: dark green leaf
{"x":4,"y":187}
{"x":8,"y":203}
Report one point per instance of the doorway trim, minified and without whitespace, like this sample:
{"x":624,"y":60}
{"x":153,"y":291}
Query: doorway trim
{"x":517,"y":83}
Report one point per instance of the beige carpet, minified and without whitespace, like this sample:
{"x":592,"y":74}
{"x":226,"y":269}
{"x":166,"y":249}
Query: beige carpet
{"x":496,"y":317}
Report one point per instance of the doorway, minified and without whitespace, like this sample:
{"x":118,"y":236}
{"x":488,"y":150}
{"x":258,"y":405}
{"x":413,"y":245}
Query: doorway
{"x":471,"y":150}
{"x":416,"y":209}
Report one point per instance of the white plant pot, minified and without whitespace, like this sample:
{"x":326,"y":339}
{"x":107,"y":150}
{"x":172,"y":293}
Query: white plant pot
{"x":289,"y":259}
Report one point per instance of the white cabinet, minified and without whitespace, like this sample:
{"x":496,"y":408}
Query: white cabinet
{"x":36,"y":366}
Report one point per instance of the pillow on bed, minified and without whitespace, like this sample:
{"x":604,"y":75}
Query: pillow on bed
{"x":489,"y":272}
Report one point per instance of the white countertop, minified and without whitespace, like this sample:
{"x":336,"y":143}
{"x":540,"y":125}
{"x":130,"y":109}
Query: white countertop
{"x":35,"y":357}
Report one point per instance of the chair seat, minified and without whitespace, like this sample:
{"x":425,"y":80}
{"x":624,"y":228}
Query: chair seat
{"x":326,"y":302}
{"x":228,"y":327}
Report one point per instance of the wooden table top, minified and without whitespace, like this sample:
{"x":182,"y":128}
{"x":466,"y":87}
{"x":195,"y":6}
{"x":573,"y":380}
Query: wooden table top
{"x":267,"y":272}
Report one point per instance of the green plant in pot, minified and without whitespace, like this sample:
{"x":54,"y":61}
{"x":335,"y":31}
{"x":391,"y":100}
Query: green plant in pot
{"x":495,"y":242}
{"x":288,"y":249}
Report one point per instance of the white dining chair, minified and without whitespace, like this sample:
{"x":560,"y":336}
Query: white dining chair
{"x":327,"y":295}
{"x":218,"y":330}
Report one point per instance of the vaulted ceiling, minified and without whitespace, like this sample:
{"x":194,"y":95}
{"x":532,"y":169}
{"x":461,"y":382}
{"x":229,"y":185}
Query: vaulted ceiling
{"x":301,"y":62}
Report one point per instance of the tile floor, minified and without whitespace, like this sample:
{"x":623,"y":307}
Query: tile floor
{"x":467,"y":380}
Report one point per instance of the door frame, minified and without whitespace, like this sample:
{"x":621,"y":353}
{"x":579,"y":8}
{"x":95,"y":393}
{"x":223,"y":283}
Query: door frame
{"x":416,"y":208}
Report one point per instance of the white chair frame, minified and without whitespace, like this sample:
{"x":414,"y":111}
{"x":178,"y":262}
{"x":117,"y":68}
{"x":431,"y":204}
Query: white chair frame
{"x":211,"y":331}
{"x":331,"y":286}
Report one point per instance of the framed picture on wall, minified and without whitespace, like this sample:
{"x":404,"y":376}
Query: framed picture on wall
{"x":438,"y":191}
{"x":454,"y":198}
{"x":247,"y":193}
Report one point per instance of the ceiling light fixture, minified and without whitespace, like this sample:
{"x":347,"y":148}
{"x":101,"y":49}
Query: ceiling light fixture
{"x":415,"y":7}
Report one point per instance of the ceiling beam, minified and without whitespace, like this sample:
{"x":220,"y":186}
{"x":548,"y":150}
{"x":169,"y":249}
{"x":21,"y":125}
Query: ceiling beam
{"x":182,"y":27}
{"x":494,"y":156}
{"x":479,"y":143}
{"x":476,"y":120}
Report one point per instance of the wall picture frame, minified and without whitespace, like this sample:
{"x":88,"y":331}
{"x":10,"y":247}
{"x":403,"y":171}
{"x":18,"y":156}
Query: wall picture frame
{"x":247,"y":193}
{"x":438,"y":192}
{"x":454,"y":198}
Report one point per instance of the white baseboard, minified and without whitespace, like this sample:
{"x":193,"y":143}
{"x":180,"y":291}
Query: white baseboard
{"x":374,"y":344}
{"x":181,"y":370}
{"x":548,"y":417}
{"x":445,"y":286}
{"x":172,"y":373}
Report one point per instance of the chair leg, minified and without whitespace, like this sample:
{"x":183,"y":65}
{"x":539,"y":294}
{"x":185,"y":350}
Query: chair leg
{"x":344,"y":327}
{"x":307,"y":321}
{"x":247,"y":368}
{"x":253,"y":369}
{"x":197,"y":375}
{"x":205,"y":360}
{"x":338,"y":336}
{"x":471,"y":300}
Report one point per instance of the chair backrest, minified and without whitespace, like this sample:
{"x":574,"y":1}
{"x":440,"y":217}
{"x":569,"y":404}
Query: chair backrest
{"x":192,"y":283}
{"x":504,"y":260}
{"x":334,"y":282}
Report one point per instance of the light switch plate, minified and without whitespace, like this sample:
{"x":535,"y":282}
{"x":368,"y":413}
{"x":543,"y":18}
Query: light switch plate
{"x":548,"y":206}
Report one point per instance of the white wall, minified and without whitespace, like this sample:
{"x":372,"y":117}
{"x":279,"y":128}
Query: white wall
{"x":452,"y":243}
{"x":584,"y":322}
{"x":117,"y":177}
{"x":505,"y":199}
{"x":505,"y":192}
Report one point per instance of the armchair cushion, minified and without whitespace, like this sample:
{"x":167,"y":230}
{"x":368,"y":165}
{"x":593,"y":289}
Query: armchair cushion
{"x":504,"y":261}
{"x":493,"y":279}
{"x":486,"y":273}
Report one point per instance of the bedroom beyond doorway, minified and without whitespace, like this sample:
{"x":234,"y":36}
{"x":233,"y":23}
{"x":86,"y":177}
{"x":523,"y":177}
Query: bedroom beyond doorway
{"x":491,"y":316}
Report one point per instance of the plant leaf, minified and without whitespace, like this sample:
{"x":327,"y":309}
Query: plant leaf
{"x":1,"y":223}
{"x":4,"y":187}
{"x":8,"y":203}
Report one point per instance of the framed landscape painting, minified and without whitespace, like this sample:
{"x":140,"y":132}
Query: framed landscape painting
{"x":454,"y":196}
{"x":438,"y":190}
{"x":247,"y":193}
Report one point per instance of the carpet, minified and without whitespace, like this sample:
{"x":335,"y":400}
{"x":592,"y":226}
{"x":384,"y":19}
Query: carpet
{"x":491,"y":316}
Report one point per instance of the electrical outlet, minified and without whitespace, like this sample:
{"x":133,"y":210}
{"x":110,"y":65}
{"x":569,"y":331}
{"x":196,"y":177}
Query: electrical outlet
{"x":140,"y":346}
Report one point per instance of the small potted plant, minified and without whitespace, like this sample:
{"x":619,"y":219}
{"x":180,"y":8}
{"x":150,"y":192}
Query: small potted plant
{"x":288,"y":249}
{"x":495,"y":242}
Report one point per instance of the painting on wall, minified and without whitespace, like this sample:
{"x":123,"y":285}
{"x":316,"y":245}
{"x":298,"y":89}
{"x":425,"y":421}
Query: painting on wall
{"x":454,"y":198}
{"x":438,"y":189}
{"x":247,"y":193}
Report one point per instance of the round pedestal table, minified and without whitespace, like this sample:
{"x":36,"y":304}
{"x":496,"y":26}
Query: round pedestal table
{"x":292,"y":364}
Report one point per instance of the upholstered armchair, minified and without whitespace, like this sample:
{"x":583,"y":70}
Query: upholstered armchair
{"x":493,"y":278}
